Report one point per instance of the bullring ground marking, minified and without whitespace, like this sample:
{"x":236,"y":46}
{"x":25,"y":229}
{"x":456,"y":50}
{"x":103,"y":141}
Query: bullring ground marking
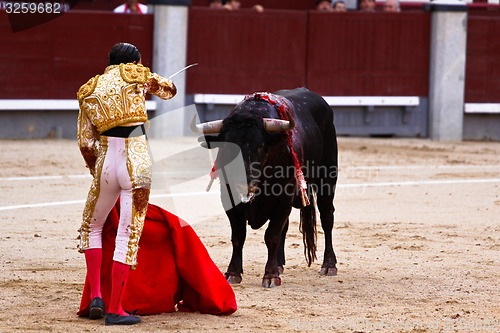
{"x":339,"y":186}
{"x":371,"y":167}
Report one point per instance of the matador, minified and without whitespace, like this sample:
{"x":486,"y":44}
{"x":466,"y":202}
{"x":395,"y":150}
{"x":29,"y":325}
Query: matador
{"x":111,"y":138}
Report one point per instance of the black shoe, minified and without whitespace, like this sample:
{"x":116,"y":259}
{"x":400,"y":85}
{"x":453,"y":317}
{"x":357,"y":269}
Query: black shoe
{"x":97,"y":309}
{"x":116,"y":319}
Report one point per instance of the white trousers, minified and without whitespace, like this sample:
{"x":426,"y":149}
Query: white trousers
{"x":123,"y":169}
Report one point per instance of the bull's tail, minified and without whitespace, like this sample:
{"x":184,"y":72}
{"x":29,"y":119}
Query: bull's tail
{"x":308,"y":229}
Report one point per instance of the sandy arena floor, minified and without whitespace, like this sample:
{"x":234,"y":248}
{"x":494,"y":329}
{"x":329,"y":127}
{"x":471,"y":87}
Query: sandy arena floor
{"x":417,"y":236}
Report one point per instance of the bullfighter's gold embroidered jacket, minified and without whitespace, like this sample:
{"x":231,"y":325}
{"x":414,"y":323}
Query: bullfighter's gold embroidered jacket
{"x":115,"y":98}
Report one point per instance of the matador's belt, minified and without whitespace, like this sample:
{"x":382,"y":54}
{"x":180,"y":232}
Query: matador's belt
{"x":125,"y":131}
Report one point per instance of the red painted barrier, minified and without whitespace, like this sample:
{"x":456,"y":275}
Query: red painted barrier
{"x":240,"y":52}
{"x":244,"y":51}
{"x":348,"y":54}
{"x":53,"y":60}
{"x":366,"y":54}
{"x":482,"y":76}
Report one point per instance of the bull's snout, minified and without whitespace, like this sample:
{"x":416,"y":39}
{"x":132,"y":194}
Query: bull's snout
{"x":247,"y":192}
{"x":248,"y":198}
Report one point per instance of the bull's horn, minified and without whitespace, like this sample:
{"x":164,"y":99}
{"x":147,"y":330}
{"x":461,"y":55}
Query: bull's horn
{"x":210,"y":127}
{"x":278,"y":125}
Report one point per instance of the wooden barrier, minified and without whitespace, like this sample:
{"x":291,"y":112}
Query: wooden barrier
{"x":349,"y":54}
{"x":482,"y":77}
{"x":53,"y":60}
{"x":244,"y":51}
{"x":366,"y":54}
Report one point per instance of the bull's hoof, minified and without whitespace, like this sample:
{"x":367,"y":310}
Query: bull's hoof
{"x":328,"y":271}
{"x":281,"y":269}
{"x":271,"y":282}
{"x":233,"y":279}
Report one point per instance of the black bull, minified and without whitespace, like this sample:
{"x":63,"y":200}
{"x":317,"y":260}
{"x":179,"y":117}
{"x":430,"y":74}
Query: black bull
{"x":271,"y":189}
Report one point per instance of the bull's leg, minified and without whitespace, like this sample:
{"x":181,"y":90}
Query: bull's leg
{"x":281,"y":248}
{"x":273,"y":237}
{"x":326,"y":210}
{"x":238,"y":235}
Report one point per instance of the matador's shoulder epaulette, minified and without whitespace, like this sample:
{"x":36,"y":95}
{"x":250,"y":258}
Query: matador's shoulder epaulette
{"x":132,"y":73}
{"x":87,"y":89}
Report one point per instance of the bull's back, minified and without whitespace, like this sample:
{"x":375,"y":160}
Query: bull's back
{"x":310,"y":106}
{"x":315,"y":117}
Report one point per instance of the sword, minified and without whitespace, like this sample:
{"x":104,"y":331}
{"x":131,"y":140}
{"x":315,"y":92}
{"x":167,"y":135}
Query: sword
{"x":182,"y":70}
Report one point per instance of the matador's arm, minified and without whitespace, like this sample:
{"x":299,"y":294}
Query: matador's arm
{"x":160,"y":86}
{"x":87,"y":138}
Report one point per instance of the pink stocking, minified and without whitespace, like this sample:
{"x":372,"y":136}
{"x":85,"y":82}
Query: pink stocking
{"x":93,"y":258}
{"x":119,"y":277}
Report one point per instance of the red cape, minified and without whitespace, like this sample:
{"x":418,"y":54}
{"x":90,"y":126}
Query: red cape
{"x":174,"y":269}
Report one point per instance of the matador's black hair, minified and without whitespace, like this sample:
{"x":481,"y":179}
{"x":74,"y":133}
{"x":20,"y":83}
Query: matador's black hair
{"x":124,"y":53}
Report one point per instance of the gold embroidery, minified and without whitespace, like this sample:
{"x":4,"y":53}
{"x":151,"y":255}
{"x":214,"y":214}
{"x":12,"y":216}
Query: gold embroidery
{"x":132,"y":73}
{"x":92,"y":197}
{"x":161,"y":87}
{"x":87,"y":137}
{"x":140,"y":198}
{"x":118,"y":96}
{"x":139,"y":162}
{"x":139,"y":168}
{"x":87,"y":88}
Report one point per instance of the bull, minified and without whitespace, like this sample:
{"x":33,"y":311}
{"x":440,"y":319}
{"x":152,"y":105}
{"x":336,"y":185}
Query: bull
{"x":272,"y":187}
